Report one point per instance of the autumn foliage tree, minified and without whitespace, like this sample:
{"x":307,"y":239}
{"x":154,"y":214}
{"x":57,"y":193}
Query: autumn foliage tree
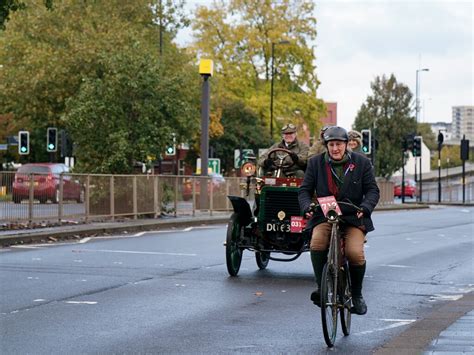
{"x":239,"y":35}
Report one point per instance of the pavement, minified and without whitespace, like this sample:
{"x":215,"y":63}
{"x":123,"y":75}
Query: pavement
{"x":448,"y":329}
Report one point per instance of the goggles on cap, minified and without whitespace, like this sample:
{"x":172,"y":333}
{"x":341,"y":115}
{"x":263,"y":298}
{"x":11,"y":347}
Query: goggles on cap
{"x":289,"y":125}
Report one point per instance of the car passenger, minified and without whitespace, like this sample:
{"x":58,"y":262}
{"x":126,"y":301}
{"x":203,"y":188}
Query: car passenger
{"x":355,"y":141}
{"x":344,"y":175}
{"x":299,"y":153}
{"x":318,"y":147}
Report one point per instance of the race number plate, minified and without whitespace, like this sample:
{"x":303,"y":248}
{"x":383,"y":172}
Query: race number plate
{"x":329,"y":203}
{"x":297,"y":224}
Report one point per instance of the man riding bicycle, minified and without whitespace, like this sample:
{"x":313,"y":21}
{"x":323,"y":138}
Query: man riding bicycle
{"x":347,"y":176}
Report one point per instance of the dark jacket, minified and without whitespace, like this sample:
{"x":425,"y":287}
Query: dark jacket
{"x":359,"y":187}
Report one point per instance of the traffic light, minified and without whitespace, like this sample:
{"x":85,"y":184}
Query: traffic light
{"x":23,"y":142}
{"x":52,"y":140}
{"x":417,"y":146}
{"x":408,"y":142}
{"x":170,"y":149}
{"x":366,"y":141}
{"x":440,"y":140}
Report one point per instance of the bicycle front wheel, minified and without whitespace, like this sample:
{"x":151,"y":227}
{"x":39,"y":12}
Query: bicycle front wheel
{"x":346,"y":299}
{"x":329,"y":304}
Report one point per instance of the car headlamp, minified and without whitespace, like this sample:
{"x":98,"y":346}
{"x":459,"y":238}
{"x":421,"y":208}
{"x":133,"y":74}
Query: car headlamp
{"x":248,"y":169}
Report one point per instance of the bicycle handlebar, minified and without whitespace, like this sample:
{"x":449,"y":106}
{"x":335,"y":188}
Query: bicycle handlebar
{"x":315,"y":206}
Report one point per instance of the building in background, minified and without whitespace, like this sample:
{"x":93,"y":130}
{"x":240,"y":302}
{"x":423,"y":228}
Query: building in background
{"x":331,"y":117}
{"x":463,"y":122}
{"x":445,"y":128}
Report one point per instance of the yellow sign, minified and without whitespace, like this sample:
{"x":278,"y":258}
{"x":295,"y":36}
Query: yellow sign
{"x":206,"y":67}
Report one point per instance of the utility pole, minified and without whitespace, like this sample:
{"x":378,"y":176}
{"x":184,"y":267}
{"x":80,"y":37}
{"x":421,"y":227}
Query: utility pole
{"x":206,"y":68}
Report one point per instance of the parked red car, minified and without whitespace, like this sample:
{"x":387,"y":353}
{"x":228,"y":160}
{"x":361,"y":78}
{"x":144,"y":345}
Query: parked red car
{"x":46,"y":181}
{"x":218,"y":182}
{"x":410,"y":188}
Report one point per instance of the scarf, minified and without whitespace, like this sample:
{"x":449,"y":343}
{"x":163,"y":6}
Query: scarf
{"x":335,"y":171}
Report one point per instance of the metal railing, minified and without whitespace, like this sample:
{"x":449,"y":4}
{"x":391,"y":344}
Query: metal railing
{"x":48,"y":199}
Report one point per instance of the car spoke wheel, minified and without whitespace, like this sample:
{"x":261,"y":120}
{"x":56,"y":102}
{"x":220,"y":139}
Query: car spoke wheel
{"x":346,"y":299}
{"x":233,"y":252}
{"x":262,"y":259}
{"x":329,"y":305}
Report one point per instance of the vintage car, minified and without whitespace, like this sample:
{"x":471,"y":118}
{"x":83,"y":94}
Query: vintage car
{"x":274,"y":225}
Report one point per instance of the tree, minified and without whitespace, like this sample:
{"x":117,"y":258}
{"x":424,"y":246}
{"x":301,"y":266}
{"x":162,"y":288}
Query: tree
{"x":82,"y":47}
{"x":238,"y":36}
{"x":240,"y":132}
{"x":9,"y":6}
{"x":129,"y":112}
{"x":387,"y":112}
{"x":429,"y":138}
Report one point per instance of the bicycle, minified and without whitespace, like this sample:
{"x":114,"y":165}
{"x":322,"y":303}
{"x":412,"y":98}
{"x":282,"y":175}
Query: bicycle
{"x":336,"y":293}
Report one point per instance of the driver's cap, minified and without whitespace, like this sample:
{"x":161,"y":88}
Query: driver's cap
{"x":288,"y":128}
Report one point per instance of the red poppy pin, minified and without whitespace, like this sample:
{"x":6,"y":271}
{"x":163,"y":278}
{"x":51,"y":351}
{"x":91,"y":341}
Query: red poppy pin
{"x":351,"y":166}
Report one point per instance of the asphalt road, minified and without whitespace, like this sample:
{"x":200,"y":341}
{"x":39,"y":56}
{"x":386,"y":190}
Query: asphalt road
{"x":169,"y":292}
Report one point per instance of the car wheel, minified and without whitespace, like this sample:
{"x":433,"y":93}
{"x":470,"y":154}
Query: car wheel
{"x":262,"y":259}
{"x":16,"y":199}
{"x":42,"y":200}
{"x":55,"y":198}
{"x":233,"y":252}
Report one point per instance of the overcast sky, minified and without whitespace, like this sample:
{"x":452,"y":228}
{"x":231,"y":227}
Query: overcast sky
{"x":358,"y":40}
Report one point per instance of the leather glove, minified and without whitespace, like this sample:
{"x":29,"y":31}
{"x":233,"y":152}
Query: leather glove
{"x":268,"y":164}
{"x":294,"y":157}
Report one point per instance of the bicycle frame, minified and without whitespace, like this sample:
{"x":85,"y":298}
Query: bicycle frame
{"x":335,"y":284}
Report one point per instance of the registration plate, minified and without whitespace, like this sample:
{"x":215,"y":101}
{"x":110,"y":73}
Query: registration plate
{"x":295,"y":225}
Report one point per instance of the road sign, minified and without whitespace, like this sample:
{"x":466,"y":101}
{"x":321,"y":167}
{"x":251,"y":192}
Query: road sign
{"x":213,"y":166}
{"x":239,"y":160}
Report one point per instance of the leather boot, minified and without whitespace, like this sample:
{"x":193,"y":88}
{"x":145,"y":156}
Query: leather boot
{"x":318,"y":259}
{"x":357,"y":277}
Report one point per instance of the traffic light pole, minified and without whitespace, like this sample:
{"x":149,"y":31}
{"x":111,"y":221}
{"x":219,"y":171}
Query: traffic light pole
{"x":439,"y":173}
{"x":421,"y":176}
{"x":403,"y":176}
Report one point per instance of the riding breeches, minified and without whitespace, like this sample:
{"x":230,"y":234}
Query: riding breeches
{"x":354,"y":241}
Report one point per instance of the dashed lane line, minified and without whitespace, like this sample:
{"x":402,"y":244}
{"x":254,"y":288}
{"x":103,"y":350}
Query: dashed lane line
{"x":130,"y":252}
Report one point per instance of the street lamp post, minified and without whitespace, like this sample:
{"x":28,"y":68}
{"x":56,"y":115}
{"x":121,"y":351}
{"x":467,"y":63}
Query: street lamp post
{"x":417,"y":112}
{"x":271,"y":83}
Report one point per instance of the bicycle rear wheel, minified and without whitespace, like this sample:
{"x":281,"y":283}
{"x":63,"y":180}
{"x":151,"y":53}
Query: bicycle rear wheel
{"x":346,"y":299}
{"x":329,"y":304}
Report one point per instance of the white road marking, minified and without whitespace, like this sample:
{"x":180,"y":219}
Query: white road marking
{"x":444,"y":298}
{"x":465,"y":211}
{"x":139,"y":234}
{"x":398,"y":320}
{"x":81,"y":302}
{"x":394,"y":325}
{"x":188,"y":229}
{"x":39,"y":300}
{"x":85,"y":240}
{"x":397,"y":266}
{"x":25,"y":247}
{"x":441,"y":235}
{"x":134,"y":252}
{"x":78,"y":261}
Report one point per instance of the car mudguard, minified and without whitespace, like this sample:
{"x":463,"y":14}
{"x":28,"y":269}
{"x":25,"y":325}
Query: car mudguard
{"x":242,"y":208}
